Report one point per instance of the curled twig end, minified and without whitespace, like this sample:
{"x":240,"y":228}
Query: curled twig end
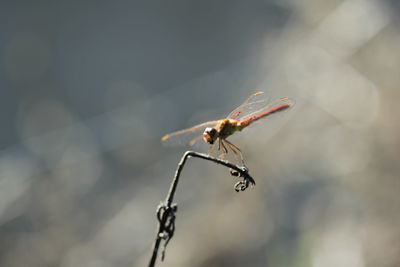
{"x":166,"y":211}
{"x":247,"y":181}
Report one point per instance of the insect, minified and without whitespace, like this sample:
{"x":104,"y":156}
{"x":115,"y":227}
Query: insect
{"x":254,"y":108}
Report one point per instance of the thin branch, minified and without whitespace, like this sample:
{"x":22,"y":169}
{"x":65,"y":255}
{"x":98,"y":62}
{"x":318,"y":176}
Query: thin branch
{"x":166,"y":211}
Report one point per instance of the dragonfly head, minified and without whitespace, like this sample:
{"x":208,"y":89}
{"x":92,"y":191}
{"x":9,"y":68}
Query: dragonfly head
{"x":210,"y":135}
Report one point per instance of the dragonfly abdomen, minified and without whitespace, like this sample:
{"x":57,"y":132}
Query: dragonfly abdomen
{"x":268,"y":112}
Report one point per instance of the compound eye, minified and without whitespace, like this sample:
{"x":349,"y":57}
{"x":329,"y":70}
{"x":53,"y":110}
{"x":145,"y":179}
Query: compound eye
{"x":209,"y":135}
{"x":213,"y":132}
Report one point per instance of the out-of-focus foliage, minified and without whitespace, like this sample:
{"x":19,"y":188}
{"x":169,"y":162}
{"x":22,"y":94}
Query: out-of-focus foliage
{"x":88,"y":89}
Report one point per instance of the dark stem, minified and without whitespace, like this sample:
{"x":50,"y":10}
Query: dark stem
{"x":166,"y":211}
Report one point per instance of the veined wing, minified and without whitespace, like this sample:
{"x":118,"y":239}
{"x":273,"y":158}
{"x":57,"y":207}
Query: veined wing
{"x":280,"y":105}
{"x":188,"y":136}
{"x":252,"y":104}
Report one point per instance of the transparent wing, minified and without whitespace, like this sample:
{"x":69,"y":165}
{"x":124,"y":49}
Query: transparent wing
{"x":188,"y":136}
{"x":279,"y":106}
{"x":252,"y":104}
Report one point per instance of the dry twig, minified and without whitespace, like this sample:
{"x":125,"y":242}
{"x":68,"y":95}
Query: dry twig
{"x":166,"y":211}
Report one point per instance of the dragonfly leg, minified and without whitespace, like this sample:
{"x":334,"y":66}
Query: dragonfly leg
{"x":223,"y":146}
{"x":233,"y":146}
{"x":236,"y":150}
{"x":220,"y":144}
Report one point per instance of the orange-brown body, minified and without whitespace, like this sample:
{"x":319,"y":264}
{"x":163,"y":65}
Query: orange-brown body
{"x":227,"y":127}
{"x":222,"y":130}
{"x":253,"y":109}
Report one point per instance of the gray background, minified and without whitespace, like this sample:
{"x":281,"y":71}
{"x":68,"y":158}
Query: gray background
{"x":89,"y":88}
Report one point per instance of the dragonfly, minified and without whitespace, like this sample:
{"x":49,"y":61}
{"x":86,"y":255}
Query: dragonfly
{"x":256,"y":107}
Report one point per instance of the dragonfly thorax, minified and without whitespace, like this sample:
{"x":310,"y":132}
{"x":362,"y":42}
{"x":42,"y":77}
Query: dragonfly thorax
{"x":223,"y":129}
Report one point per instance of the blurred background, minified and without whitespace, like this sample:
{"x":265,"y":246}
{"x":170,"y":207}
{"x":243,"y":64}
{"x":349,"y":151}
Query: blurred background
{"x":88,"y":88}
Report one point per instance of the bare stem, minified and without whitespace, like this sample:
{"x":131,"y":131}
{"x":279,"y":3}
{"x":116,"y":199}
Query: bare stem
{"x":166,"y":211}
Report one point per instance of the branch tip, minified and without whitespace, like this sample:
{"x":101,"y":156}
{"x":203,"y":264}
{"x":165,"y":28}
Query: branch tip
{"x":166,"y":210}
